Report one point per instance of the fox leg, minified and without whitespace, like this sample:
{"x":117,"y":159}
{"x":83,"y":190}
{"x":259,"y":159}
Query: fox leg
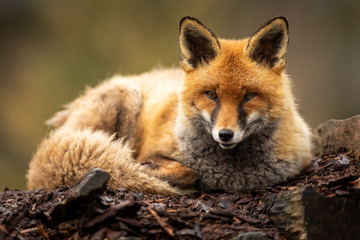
{"x":173,"y":172}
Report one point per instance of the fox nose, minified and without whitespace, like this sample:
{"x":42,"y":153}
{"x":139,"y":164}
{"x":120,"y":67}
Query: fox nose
{"x":226,"y":135}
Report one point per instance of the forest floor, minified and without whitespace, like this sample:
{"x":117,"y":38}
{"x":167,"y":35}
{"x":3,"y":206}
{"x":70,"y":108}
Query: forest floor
{"x":124,"y":214}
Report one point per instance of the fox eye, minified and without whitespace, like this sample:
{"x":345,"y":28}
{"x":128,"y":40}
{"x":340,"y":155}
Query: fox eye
{"x":211,"y":95}
{"x":249,"y":96}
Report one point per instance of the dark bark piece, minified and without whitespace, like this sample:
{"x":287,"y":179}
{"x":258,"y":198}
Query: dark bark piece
{"x":89,"y":186}
{"x":333,"y":135}
{"x":247,"y":219}
{"x":12,"y":220}
{"x":128,"y":208}
{"x":304,"y":213}
{"x":251,"y":236}
{"x":195,"y":233}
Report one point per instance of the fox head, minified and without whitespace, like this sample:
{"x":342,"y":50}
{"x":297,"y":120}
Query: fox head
{"x":233,"y":87}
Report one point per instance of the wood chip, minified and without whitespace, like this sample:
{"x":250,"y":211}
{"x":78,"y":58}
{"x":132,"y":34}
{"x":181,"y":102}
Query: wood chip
{"x":3,"y":229}
{"x":42,"y":231}
{"x":161,"y":222}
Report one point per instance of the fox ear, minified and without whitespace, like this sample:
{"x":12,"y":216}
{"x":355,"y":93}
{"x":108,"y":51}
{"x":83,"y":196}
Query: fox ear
{"x":269,"y":44}
{"x":197,"y":43}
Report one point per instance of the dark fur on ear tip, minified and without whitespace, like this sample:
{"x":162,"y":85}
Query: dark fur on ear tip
{"x":274,"y":19}
{"x":271,"y":21}
{"x":269,"y":47}
{"x":194,"y":20}
{"x":198,"y":40}
{"x":188,"y":18}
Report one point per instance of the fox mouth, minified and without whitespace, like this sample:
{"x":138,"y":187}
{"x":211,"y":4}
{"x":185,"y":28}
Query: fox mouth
{"x":228,"y":142}
{"x":228,"y":146}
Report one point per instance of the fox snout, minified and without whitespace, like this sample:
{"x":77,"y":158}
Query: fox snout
{"x":226,"y":135}
{"x":227,"y":138}
{"x":225,"y":128}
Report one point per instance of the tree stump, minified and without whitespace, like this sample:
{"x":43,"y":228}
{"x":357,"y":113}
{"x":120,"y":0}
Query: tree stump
{"x":304,"y":213}
{"x":333,"y":135}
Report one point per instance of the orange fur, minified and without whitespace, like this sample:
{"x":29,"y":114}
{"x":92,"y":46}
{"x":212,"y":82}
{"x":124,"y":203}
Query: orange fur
{"x":137,"y":127}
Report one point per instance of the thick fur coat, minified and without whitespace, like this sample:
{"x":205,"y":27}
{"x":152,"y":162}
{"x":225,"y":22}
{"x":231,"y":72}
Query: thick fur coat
{"x":225,"y":121}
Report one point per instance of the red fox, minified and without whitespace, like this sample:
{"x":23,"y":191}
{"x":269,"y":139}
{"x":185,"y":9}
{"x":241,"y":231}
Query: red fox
{"x":225,"y":121}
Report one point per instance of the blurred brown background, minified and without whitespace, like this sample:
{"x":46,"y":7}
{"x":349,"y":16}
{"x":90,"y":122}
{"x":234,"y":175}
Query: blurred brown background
{"x":49,"y":50}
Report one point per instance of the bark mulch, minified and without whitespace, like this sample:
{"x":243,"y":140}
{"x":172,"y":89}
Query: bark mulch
{"x":124,"y":214}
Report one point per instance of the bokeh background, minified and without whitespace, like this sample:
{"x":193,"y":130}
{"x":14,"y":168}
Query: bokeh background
{"x":49,"y":50}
